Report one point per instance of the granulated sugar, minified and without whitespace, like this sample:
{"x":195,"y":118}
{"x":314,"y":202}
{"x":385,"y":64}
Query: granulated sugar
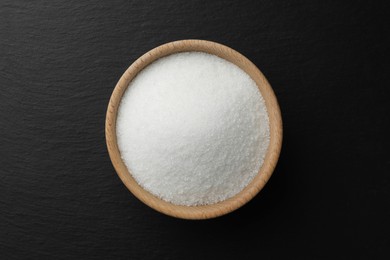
{"x":193,"y":129}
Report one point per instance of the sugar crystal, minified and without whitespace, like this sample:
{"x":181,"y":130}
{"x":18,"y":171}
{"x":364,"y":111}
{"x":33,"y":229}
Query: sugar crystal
{"x":193,"y":129}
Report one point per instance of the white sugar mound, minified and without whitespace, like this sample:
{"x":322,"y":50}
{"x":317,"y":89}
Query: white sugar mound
{"x":193,"y":129}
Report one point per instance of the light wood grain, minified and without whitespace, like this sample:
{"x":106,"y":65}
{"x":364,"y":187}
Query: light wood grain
{"x":275,"y":120}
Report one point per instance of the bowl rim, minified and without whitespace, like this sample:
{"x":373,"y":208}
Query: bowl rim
{"x":275,"y":124}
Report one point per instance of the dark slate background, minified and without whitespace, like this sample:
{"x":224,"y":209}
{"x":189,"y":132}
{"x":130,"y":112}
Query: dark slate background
{"x":60,"y":197}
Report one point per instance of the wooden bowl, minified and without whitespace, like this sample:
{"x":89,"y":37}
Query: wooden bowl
{"x":270,"y":160}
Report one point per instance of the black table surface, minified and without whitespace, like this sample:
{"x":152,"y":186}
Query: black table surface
{"x":60,"y":197}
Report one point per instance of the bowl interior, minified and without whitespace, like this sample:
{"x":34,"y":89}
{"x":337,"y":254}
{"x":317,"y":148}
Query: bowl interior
{"x":270,"y":160}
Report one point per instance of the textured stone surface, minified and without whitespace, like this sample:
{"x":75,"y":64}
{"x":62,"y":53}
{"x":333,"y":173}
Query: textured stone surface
{"x":60,"y":197}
